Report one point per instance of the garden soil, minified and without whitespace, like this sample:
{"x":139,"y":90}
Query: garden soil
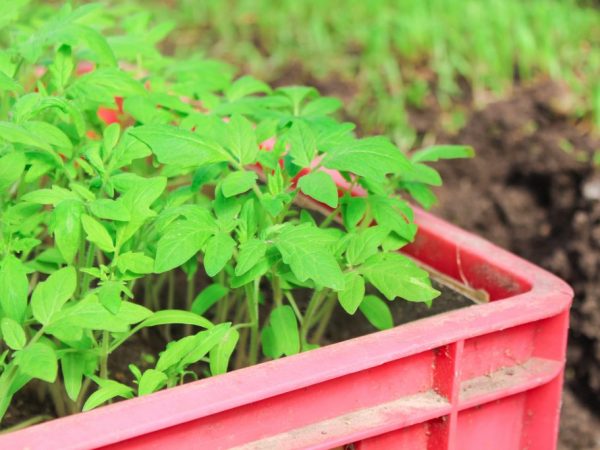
{"x":533,"y":190}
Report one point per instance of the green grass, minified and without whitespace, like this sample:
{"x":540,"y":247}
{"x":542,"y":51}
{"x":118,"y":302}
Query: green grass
{"x":396,"y":53}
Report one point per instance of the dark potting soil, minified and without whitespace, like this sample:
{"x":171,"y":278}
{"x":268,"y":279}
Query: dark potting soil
{"x":33,"y":403}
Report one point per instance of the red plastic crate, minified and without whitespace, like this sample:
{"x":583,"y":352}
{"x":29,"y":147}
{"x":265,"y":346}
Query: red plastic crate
{"x":484,"y":377}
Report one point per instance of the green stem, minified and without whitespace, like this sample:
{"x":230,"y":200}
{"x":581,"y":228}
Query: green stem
{"x":252,"y":299}
{"x":325,"y":317}
{"x":313,"y":306}
{"x":189,"y":298}
{"x":330,"y":217}
{"x":104,"y":355}
{"x":294,"y":306}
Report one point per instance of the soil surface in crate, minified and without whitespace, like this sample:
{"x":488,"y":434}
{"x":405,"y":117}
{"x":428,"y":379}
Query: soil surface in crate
{"x":33,"y":404}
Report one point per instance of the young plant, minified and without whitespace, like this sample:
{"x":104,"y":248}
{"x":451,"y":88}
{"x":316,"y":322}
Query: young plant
{"x":231,"y":218}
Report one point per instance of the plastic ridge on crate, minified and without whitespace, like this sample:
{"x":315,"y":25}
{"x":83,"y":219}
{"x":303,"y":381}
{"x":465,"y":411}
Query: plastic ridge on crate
{"x":486,"y":376}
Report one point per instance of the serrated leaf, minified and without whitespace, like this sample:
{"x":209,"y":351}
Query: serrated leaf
{"x":377,"y":312}
{"x":372,"y":158}
{"x":308,"y":251}
{"x":49,"y":296}
{"x":365,"y":244}
{"x":182,"y":240}
{"x":394,"y":214}
{"x":251,"y":252}
{"x":180,"y":147}
{"x":285,"y":329}
{"x":12,"y":333}
{"x":303,"y":144}
{"x":353,"y":293}
{"x":395,"y":275}
{"x":245,"y":86}
{"x":238,"y":182}
{"x":321,"y":187}
{"x":242,"y":140}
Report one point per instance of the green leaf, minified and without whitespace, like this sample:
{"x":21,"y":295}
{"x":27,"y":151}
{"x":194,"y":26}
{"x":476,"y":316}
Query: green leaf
{"x":395,"y":275}
{"x":14,"y":287}
{"x":135,"y":262}
{"x":238,"y":182}
{"x":17,"y":134}
{"x":38,"y":360}
{"x":191,"y":349}
{"x":109,"y":294}
{"x":251,"y":252}
{"x":73,"y":366}
{"x":219,"y":251}
{"x":50,"y":196}
{"x":285,"y":329}
{"x":303,"y":144}
{"x":245,"y":86}
{"x":353,"y":210}
{"x":173,"y":145}
{"x":437,"y":152}
{"x":208,"y":297}
{"x":269,"y":343}
{"x":353,"y":293}
{"x":7,"y":84}
{"x":320,"y":186}
{"x":421,"y":193}
{"x":170,"y":316}
{"x":242,"y":140}
{"x":12,"y":167}
{"x":151,"y":381}
{"x":90,"y":314}
{"x":62,"y":66}
{"x":308,"y":251}
{"x":183,"y":240}
{"x":67,"y":228}
{"x":365,"y":244}
{"x":221,"y":353}
{"x":377,"y":312}
{"x":371,"y":158}
{"x":97,"y":234}
{"x":13,"y":333}
{"x":110,"y":210}
{"x":49,"y":296}
{"x":109,"y":389}
{"x":394,"y":214}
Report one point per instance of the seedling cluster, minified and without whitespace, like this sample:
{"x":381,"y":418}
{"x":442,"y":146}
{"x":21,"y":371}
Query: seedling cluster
{"x":142,"y":195}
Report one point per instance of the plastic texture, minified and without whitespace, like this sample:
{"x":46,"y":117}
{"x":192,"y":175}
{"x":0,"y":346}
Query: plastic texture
{"x":487,"y":376}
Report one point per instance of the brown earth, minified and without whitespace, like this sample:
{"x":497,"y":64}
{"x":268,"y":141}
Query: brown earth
{"x":532,"y":189}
